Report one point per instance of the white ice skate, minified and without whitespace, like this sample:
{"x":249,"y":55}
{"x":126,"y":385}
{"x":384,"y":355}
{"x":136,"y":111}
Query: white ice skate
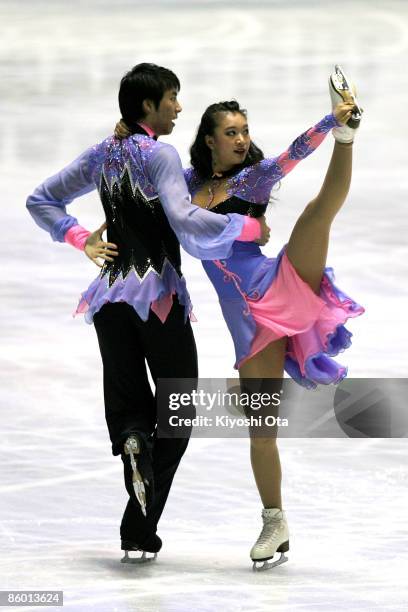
{"x":338,"y":86}
{"x":144,"y":558}
{"x":274,"y":538}
{"x":132,"y":447}
{"x":148,"y":550}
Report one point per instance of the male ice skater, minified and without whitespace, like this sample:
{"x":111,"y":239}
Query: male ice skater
{"x":139,"y":303}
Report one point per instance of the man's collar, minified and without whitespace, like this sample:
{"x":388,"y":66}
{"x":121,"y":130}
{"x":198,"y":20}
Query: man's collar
{"x":147,"y":129}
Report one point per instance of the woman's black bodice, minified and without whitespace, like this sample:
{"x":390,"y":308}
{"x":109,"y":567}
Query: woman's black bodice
{"x":242,"y":207}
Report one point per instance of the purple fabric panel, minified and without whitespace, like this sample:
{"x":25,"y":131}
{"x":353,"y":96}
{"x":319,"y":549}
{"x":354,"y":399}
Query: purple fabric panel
{"x":241,"y":325}
{"x":201,"y":233}
{"x":138,"y":294}
{"x":255,"y":271}
{"x":47,"y":205}
{"x":321,"y":369}
{"x":192,"y":180}
{"x":112,"y":156}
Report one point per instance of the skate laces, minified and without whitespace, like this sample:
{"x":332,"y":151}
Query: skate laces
{"x":270,"y":530}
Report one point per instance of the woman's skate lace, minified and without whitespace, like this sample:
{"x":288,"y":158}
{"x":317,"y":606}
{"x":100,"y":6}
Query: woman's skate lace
{"x":274,"y":524}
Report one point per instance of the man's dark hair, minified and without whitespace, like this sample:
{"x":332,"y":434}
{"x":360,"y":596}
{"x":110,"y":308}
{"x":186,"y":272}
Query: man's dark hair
{"x":200,"y":153}
{"x":144,"y":82}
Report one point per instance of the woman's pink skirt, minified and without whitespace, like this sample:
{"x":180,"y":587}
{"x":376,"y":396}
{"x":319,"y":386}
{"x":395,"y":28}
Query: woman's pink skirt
{"x":313,"y":324}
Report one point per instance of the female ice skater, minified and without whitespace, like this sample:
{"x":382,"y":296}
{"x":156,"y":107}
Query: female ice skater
{"x":285,"y":312}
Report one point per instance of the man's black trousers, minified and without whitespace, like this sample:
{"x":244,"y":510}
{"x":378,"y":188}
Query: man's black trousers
{"x":126,"y":344}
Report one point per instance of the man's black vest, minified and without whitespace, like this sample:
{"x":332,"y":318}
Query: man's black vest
{"x":139,"y":228}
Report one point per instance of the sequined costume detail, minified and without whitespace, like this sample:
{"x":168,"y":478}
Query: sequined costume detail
{"x":264,"y":299}
{"x":255,"y":183}
{"x":138,"y":226}
{"x":148,"y":211}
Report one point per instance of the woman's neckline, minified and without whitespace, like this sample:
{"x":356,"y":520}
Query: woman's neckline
{"x":215,"y":205}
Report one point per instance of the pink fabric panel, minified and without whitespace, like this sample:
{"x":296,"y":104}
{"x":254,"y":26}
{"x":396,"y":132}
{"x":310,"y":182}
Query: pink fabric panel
{"x":162,"y":307}
{"x":251,"y":230}
{"x":77,"y":236}
{"x":288,"y":307}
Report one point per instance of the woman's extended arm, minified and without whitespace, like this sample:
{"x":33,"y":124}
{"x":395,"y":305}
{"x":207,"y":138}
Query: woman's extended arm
{"x":278,"y":167}
{"x":274,"y":169}
{"x":305,"y":144}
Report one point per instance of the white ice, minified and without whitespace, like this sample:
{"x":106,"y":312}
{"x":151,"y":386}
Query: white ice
{"x":61,"y":490}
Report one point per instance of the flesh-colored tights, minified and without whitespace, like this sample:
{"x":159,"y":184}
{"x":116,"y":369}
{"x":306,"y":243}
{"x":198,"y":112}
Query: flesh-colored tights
{"x":307,"y":251}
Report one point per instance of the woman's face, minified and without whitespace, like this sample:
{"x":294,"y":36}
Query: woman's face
{"x":230,"y":142}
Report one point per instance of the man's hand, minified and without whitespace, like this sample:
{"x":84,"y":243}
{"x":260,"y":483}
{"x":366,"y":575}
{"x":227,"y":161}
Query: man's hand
{"x":121,"y":130}
{"x":96,"y":248}
{"x":265,"y":232}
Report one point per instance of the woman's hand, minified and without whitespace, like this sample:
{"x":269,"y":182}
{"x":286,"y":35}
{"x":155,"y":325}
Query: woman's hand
{"x":96,"y":248}
{"x":265,"y":232}
{"x":343,"y":110}
{"x":121,"y":130}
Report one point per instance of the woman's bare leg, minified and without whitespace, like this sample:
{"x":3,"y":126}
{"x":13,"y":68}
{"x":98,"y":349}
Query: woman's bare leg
{"x":307,"y":251}
{"x":267,"y":365}
{"x":309,"y":241}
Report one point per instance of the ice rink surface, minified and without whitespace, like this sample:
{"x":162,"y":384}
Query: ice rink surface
{"x":61,"y":490}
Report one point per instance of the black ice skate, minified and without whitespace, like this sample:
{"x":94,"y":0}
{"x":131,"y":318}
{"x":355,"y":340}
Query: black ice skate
{"x":150,"y":547}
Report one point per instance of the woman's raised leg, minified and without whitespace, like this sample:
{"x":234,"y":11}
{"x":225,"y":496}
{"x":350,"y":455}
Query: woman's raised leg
{"x":308,"y":244}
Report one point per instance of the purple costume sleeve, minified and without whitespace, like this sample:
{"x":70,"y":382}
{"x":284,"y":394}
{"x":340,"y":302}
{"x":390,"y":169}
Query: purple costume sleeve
{"x":47,"y":205}
{"x":255,"y":183}
{"x":201,"y":233}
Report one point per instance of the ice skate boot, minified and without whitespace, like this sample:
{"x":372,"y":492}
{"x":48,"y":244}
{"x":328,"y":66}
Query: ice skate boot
{"x":133,"y":448}
{"x":340,"y":88}
{"x":149,"y":550}
{"x":274,"y":538}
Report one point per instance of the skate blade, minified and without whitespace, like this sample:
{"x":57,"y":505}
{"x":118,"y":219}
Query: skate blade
{"x":138,"y":560}
{"x":132,"y":448}
{"x":140,"y":493}
{"x":266,"y":565}
{"x":343,"y":84}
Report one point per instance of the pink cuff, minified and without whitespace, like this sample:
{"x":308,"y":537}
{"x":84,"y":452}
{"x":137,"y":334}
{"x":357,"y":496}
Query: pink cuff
{"x":251,"y":230}
{"x":77,"y":236}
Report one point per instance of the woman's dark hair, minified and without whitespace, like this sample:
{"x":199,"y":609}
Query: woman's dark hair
{"x":200,"y":153}
{"x":144,"y":82}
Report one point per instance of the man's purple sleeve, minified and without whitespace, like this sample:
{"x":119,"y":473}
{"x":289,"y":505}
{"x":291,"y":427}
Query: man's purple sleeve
{"x":202,"y":234}
{"x":47,"y":204}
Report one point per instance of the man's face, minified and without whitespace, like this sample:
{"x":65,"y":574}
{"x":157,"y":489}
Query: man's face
{"x":162,"y":119}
